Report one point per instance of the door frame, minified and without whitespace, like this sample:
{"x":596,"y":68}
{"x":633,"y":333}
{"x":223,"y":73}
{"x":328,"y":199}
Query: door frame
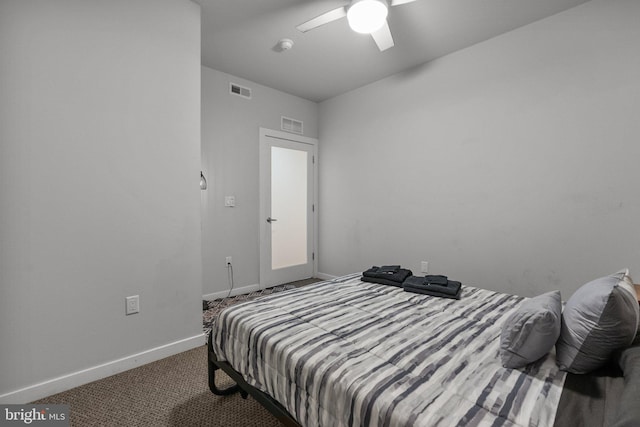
{"x":271,"y":133}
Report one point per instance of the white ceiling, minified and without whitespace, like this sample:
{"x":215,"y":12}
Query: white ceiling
{"x":239,"y":37}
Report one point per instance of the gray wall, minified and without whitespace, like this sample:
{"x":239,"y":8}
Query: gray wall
{"x":230,"y":159}
{"x":99,"y":197}
{"x":509,"y":165}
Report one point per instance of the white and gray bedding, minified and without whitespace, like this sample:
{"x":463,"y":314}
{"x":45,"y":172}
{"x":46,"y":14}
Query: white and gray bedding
{"x":350,"y":353}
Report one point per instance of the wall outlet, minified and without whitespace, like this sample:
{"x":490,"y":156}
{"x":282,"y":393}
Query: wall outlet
{"x":424,"y":267}
{"x":228,"y":261}
{"x":230,"y":201}
{"x":133,"y":304}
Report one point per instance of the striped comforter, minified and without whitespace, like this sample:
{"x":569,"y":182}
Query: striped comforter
{"x":350,"y":353}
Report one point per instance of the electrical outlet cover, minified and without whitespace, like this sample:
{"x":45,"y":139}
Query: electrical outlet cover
{"x":133,"y":304}
{"x":424,"y":267}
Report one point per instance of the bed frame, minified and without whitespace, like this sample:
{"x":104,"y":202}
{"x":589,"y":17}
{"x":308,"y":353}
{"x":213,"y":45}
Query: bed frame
{"x":244,"y":388}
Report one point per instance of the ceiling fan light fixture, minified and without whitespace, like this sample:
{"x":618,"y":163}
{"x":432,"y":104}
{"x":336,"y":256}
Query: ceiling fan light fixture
{"x":367,"y":16}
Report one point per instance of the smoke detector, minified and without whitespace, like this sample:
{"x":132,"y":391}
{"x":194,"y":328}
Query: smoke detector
{"x":284,"y":44}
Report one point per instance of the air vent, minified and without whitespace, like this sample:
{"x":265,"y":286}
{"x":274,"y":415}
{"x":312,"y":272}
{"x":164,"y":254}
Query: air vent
{"x":242,"y":91}
{"x":291,"y":125}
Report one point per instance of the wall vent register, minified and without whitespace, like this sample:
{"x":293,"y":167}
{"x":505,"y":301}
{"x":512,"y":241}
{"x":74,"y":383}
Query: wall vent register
{"x":236,"y":89}
{"x":291,"y":125}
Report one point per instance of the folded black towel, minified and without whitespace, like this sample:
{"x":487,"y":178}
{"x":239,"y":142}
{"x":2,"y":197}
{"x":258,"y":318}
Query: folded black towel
{"x":385,"y":270}
{"x":391,"y":275}
{"x":439,"y":280}
{"x":414,"y":281}
{"x":388,"y":269}
{"x":427,"y":291}
{"x":451,"y":288}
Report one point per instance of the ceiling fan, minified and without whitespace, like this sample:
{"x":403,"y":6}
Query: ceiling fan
{"x":364,"y":16}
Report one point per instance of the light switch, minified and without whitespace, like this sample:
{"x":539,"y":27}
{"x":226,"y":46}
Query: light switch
{"x":229,"y":201}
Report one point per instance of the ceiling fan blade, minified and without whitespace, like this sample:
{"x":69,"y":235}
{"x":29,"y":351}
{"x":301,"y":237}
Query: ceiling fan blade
{"x":383,"y":37}
{"x":399,"y":2}
{"x":325,"y":18}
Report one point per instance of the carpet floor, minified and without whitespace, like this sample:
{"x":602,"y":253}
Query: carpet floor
{"x":169,"y":392}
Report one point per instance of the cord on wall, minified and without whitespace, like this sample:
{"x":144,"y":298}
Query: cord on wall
{"x":205,"y":304}
{"x":230,"y":278}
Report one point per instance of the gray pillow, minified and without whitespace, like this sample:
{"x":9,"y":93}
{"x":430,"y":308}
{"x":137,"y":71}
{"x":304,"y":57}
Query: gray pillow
{"x":531,"y":331}
{"x":599,"y":318}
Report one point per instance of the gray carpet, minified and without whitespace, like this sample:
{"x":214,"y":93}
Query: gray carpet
{"x":170,"y":392}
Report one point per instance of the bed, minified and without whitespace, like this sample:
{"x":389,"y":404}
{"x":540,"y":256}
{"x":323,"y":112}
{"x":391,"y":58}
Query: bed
{"x":351,"y":353}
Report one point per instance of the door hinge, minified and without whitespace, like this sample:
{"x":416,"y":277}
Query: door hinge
{"x":313,"y":208}
{"x":313,"y":159}
{"x":313,"y":256}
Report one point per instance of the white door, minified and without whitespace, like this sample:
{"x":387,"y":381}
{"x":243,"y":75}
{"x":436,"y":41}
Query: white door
{"x":287,"y":207}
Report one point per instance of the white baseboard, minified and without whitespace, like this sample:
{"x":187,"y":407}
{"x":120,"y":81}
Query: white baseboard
{"x":234,"y":291}
{"x":75,"y":379}
{"x":324,"y":276}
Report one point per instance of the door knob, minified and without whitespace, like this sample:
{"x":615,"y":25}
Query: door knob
{"x":270,"y":220}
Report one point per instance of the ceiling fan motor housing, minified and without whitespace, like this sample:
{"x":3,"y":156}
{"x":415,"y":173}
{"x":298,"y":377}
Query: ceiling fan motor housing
{"x":367,"y":16}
